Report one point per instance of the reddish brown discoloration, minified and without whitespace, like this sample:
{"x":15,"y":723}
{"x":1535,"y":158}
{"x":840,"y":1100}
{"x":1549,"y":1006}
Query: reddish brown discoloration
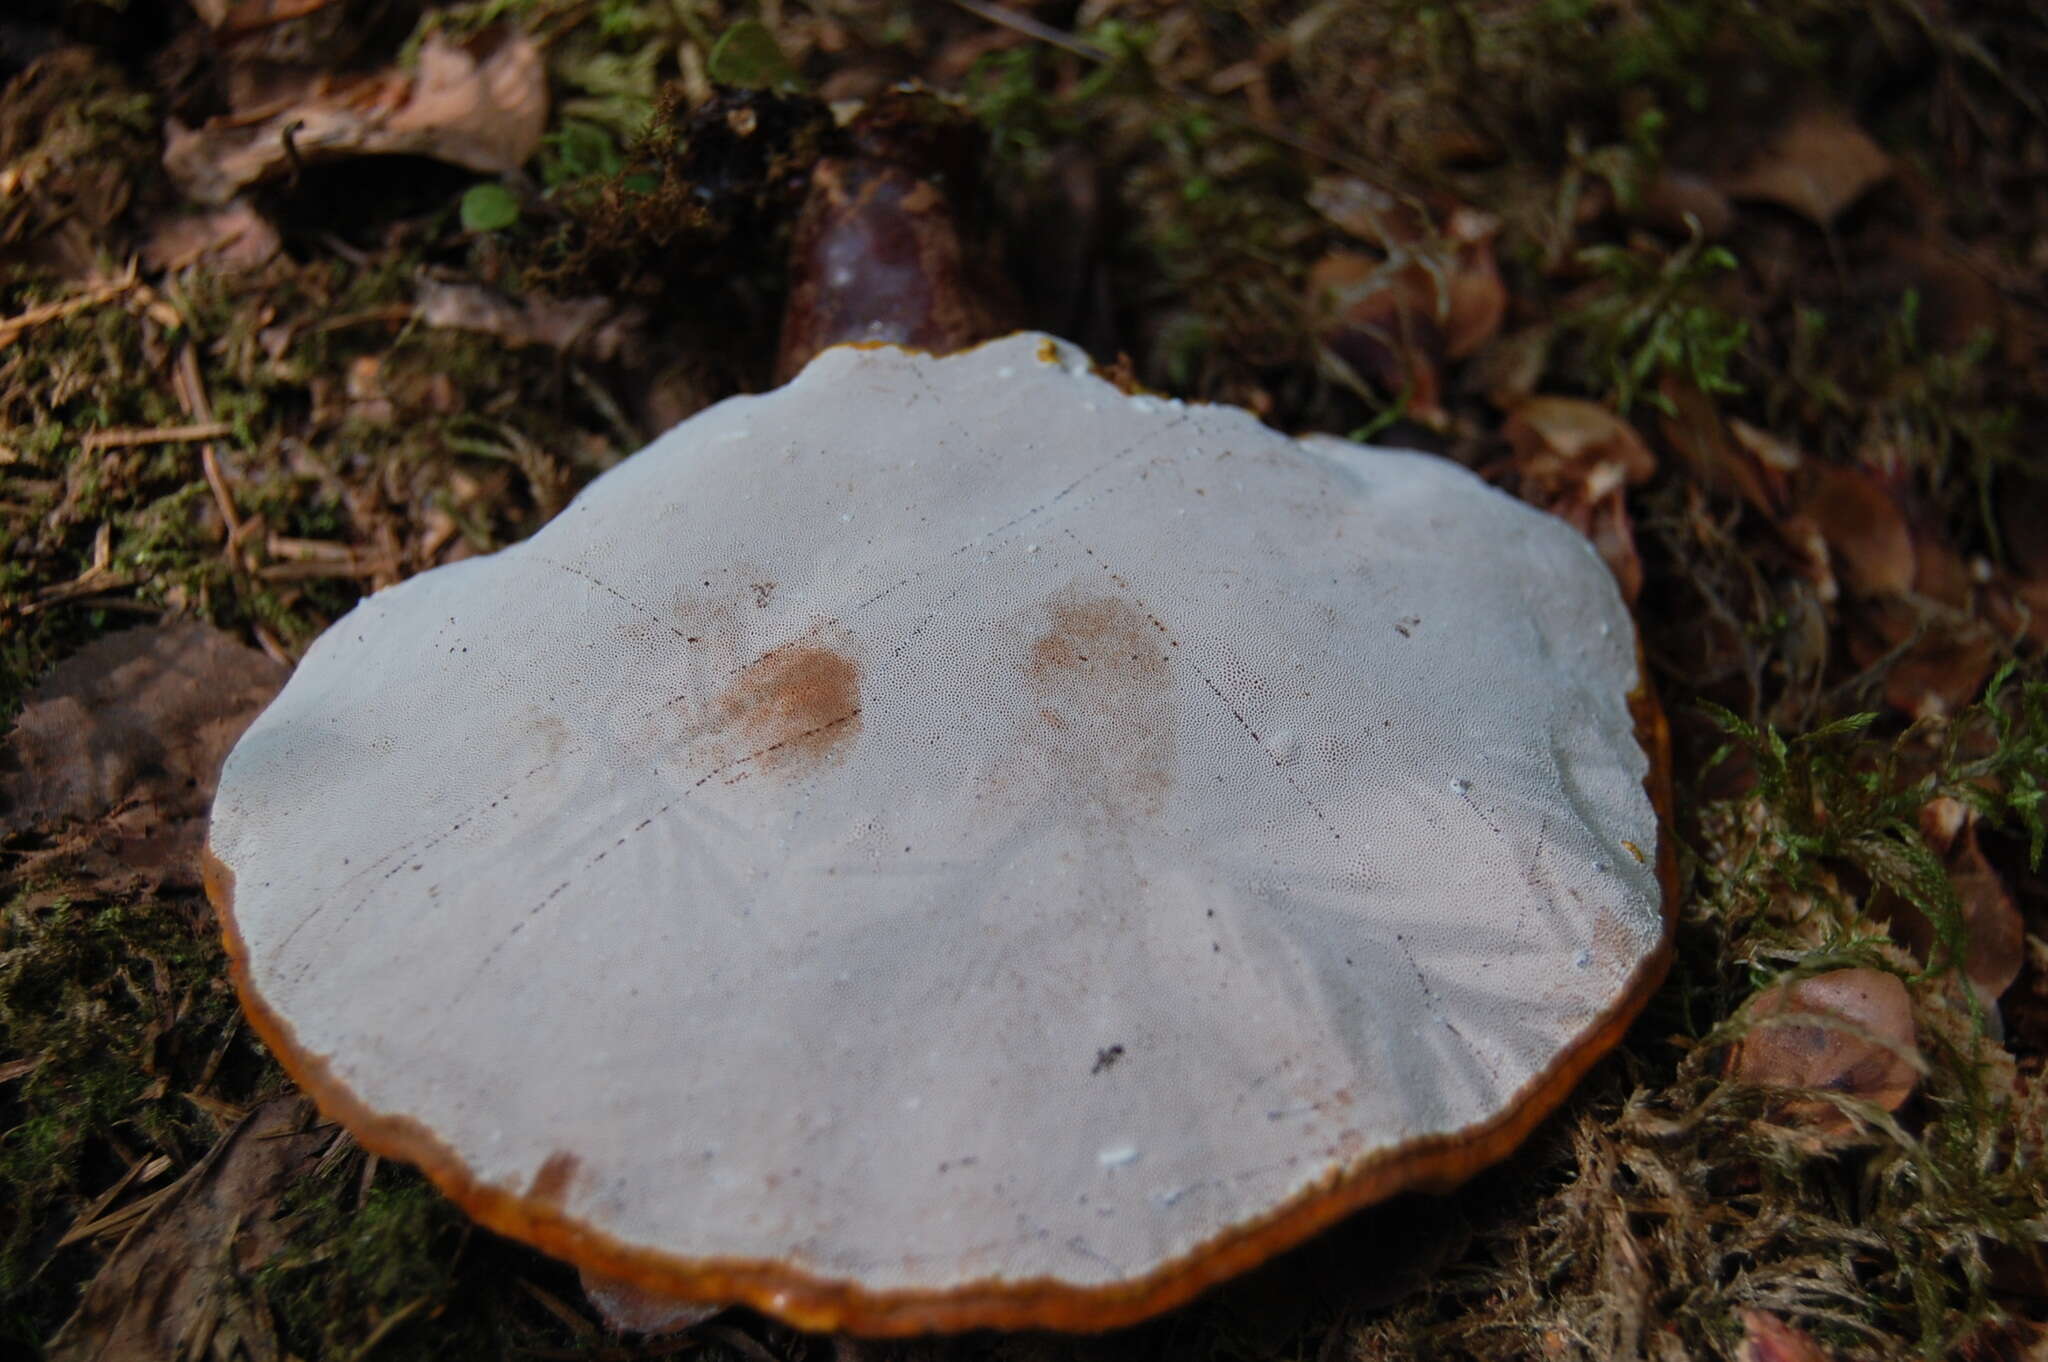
{"x":1104,"y":729}
{"x":551,"y":1183}
{"x":878,"y":256}
{"x":798,"y":707}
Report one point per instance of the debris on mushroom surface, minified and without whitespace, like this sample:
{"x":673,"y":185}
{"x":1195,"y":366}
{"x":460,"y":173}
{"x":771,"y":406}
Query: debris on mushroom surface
{"x":966,"y":846}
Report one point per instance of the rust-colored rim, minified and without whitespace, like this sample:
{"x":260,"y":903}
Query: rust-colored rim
{"x":1435,"y":1163}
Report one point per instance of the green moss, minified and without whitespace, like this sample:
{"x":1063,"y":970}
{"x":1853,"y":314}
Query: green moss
{"x":123,"y":1005}
{"x":1653,"y":319}
{"x":356,"y":1269}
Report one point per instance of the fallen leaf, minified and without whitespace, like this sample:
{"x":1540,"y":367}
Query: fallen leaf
{"x":1368,"y":212}
{"x":178,"y":1285}
{"x":1817,"y":164}
{"x":1959,"y":302}
{"x":1994,"y":934}
{"x":1934,"y":660}
{"x":1766,"y":1338}
{"x":1680,"y":203}
{"x":1507,"y":368}
{"x":1717,"y":452}
{"x":233,"y":240}
{"x":1476,"y":300}
{"x":127,"y":736}
{"x":1574,"y":458}
{"x":2021,"y":607}
{"x":1848,"y":1031}
{"x":2013,"y":1338}
{"x":1393,"y":320}
{"x":1382,"y":329}
{"x":482,"y":105}
{"x":322,"y":33}
{"x":593,"y":326}
{"x":1570,"y":441}
{"x":1866,"y":532}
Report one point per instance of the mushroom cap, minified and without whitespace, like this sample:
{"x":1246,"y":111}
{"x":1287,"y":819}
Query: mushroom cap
{"x":948,"y":844}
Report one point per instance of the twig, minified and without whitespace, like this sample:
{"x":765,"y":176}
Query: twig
{"x":192,"y":397}
{"x":12,"y":328}
{"x":15,"y":1068}
{"x":125,"y":437}
{"x":313,"y":569}
{"x":97,"y":578}
{"x":391,"y":1322}
{"x":271,"y":644}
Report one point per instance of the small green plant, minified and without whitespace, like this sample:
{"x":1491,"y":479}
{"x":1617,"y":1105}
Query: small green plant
{"x":747,"y":55}
{"x":1653,"y":319}
{"x":488,"y":208}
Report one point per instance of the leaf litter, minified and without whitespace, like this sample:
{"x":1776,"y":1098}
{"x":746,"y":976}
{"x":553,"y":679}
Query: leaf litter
{"x":116,"y":751}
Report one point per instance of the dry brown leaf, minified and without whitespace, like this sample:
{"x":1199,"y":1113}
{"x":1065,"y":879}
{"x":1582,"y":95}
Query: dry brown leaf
{"x":2012,"y":1338}
{"x":1569,"y":440}
{"x":1369,"y":213}
{"x":1574,"y":458}
{"x":593,"y":326}
{"x":127,"y":736}
{"x":1476,"y":301}
{"x":1393,"y":321}
{"x":1680,"y":202}
{"x":1716,"y":453}
{"x":482,"y":105}
{"x":1766,"y":1338}
{"x":324,"y":33}
{"x":1382,"y":327}
{"x":1848,"y":1031}
{"x":1934,"y":661}
{"x":1507,"y":368}
{"x":1816,"y":165}
{"x":2022,"y":608}
{"x":233,"y":240}
{"x":1867,"y":535}
{"x":1959,"y":300}
{"x":178,"y":1284}
{"x":1994,"y":934}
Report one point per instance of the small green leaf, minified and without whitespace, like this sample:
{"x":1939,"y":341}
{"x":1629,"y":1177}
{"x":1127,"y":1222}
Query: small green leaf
{"x":746,"y":55}
{"x":489,"y":208}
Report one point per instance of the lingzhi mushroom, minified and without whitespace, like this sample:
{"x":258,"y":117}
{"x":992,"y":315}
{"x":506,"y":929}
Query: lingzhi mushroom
{"x":947,"y":843}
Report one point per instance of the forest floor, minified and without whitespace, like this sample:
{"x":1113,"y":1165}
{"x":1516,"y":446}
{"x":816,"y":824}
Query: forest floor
{"x":298,"y":300}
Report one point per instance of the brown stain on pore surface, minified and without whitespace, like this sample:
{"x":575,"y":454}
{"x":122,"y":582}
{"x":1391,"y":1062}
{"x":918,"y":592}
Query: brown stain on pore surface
{"x":1103,"y":728}
{"x":796,"y":708}
{"x":551,"y":1182}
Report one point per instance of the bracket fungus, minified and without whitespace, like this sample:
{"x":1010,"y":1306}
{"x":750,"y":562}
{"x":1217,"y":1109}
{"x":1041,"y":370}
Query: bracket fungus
{"x":948,"y":844}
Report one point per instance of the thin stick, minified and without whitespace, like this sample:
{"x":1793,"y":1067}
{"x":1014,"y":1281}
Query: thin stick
{"x":126,"y":437}
{"x":192,"y":396}
{"x":12,"y":328}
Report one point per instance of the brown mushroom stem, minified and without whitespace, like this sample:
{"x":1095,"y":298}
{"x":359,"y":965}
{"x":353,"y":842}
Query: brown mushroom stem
{"x":879,"y":253}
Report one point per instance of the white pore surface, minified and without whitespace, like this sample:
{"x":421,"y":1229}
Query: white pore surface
{"x":949,"y":821}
